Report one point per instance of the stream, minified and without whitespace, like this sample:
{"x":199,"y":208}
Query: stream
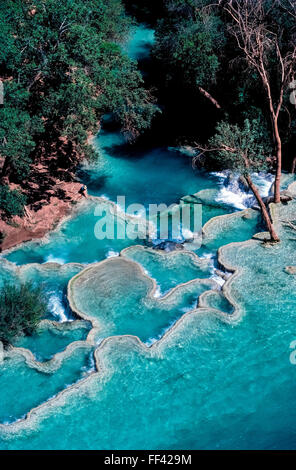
{"x":171,"y":375}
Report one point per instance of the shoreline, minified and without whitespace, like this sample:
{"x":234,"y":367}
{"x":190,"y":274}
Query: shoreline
{"x":36,"y":224}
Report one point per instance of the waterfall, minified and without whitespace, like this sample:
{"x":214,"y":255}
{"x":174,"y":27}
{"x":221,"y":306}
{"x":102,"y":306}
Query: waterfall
{"x":233,"y":192}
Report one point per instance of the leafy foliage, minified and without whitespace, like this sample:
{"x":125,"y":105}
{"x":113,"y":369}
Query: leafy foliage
{"x":11,"y":201}
{"x":17,"y":129}
{"x":62,"y":68}
{"x":21,"y":309}
{"x":196,"y":46}
{"x":243,"y":149}
{"x":188,"y":40}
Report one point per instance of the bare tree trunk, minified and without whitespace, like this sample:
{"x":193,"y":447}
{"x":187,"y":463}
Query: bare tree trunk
{"x":293,"y":168}
{"x":207,"y":95}
{"x":277,"y":181}
{"x":277,"y":139}
{"x":273,"y":235}
{"x":255,"y":40}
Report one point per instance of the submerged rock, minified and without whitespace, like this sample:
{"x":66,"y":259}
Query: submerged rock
{"x":247,"y":216}
{"x":291,"y":270}
{"x":169,"y":246}
{"x":286,"y":196}
{"x":222,"y":274}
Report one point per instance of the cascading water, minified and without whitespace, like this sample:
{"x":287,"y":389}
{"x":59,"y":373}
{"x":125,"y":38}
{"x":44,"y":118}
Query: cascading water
{"x":235,"y":193}
{"x":217,"y":378}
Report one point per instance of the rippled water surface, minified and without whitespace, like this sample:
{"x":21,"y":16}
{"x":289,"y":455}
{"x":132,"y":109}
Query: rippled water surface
{"x":211,"y":382}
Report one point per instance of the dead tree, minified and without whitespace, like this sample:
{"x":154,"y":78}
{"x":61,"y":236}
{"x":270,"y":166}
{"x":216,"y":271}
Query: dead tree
{"x":259,"y":40}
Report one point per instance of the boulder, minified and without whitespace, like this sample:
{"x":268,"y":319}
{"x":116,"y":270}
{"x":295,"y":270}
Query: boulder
{"x":291,"y":270}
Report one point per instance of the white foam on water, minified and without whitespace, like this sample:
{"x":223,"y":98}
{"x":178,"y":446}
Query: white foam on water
{"x":112,"y":254}
{"x":157,"y":292}
{"x":218,"y":279}
{"x":190,"y":307}
{"x":100,"y":340}
{"x":90,"y":367}
{"x":53,"y":259}
{"x":150,"y":341}
{"x":57,"y":309}
{"x":231,"y":198}
{"x":233,"y":194}
{"x":187,"y":234}
{"x":210,"y":256}
{"x":184,"y":310}
{"x":264,"y":182}
{"x":103,"y":196}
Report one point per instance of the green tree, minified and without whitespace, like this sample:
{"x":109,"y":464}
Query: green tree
{"x":11,"y":202}
{"x":244,"y":150}
{"x":188,"y":41}
{"x":21,"y":309}
{"x":238,"y":54}
{"x":63,"y":67}
{"x":17,"y":130}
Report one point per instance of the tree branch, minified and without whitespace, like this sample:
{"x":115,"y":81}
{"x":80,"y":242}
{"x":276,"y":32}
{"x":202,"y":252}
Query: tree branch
{"x":209,"y":97}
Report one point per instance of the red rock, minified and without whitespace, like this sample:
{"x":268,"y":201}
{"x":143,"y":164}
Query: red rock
{"x":36,"y":224}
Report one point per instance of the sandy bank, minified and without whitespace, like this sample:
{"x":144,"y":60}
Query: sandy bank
{"x":37,"y":222}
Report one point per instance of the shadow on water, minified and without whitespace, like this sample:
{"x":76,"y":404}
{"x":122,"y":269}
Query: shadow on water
{"x":125,"y":150}
{"x":97,"y":184}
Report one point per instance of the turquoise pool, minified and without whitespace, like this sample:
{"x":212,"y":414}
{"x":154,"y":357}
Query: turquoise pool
{"x":159,"y":351}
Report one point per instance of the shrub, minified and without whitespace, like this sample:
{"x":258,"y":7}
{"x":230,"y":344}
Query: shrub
{"x":21,"y":309}
{"x":12,"y":201}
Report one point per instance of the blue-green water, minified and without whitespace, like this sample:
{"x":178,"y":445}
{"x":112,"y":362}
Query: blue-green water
{"x":158,"y":176}
{"x":74,"y":242}
{"x":211,"y":382}
{"x":122,"y":300}
{"x":167,"y":270}
{"x":48,"y":341}
{"x":24,"y":387}
{"x":122,"y":171}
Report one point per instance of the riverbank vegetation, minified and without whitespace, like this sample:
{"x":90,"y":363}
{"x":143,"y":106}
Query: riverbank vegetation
{"x":231,"y":63}
{"x":21,"y":309}
{"x":231,"y":60}
{"x":244,"y":150}
{"x":213,"y":64}
{"x":62,"y":68}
